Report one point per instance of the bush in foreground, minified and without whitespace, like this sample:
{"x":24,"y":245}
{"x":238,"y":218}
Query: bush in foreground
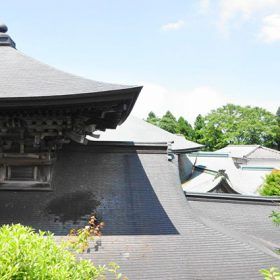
{"x":25,"y":254}
{"x":272,"y":273}
{"x":272,"y":184}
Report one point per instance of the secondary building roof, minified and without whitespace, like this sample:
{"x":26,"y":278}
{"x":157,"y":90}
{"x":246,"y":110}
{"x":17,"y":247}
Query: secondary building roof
{"x":243,"y":179}
{"x":139,"y":131}
{"x":250,"y":152}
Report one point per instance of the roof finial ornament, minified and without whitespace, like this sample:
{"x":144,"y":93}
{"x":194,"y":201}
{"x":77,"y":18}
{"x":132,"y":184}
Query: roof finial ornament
{"x":3,"y":27}
{"x":5,"y":39}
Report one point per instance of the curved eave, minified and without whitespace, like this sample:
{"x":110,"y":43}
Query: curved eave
{"x":27,"y":83}
{"x":130,"y":94}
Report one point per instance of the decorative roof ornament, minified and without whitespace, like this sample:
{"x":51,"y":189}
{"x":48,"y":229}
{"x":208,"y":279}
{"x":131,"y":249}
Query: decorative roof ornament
{"x":5,"y":39}
{"x":3,"y":27}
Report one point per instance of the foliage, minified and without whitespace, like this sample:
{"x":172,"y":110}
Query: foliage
{"x":25,"y":254}
{"x":275,"y":216}
{"x":233,"y":124}
{"x":184,"y":128}
{"x":271,"y":185}
{"x":229,"y":124}
{"x":168,"y":122}
{"x":79,"y":238}
{"x":278,"y":132}
{"x":153,"y":119}
{"x":271,"y":274}
{"x":198,"y":128}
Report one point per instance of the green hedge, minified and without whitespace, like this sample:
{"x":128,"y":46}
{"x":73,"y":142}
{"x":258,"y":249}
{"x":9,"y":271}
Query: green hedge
{"x":272,"y":184}
{"x":25,"y":254}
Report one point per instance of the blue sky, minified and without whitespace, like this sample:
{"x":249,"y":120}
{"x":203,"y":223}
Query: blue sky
{"x":191,"y":56}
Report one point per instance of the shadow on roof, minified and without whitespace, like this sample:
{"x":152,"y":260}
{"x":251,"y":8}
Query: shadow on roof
{"x":113,"y":185}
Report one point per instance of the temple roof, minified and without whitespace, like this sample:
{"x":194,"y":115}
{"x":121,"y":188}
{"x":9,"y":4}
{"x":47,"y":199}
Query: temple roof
{"x":32,"y":92}
{"x":24,"y":78}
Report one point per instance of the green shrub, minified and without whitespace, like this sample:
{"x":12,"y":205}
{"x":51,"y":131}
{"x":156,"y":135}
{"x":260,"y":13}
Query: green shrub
{"x":25,"y":254}
{"x":275,"y":216}
{"x":272,"y":184}
{"x":271,"y":274}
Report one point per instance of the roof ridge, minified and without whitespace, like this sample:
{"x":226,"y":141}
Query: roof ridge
{"x":257,"y":147}
{"x":271,"y":150}
{"x":242,"y":145}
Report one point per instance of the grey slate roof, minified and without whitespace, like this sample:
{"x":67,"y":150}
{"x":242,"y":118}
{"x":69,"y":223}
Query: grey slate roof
{"x":251,"y":152}
{"x":241,"y":180}
{"x":139,"y":131}
{"x":151,"y":230}
{"x":23,"y":76}
{"x":245,"y":165}
{"x":27,"y":84}
{"x":246,"y":220}
{"x":238,"y":150}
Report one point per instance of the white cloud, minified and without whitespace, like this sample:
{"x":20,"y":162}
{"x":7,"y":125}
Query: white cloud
{"x":204,"y":6}
{"x":238,"y":11}
{"x":270,"y":31}
{"x":173,"y":25}
{"x":188,"y":103}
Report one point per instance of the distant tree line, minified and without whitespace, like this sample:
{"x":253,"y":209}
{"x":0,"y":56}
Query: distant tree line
{"x":229,"y":124}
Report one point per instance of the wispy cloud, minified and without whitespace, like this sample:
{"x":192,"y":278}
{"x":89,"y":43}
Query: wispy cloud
{"x":270,"y":31}
{"x":173,"y":25}
{"x":188,"y":103}
{"x":238,"y":11}
{"x":204,"y":6}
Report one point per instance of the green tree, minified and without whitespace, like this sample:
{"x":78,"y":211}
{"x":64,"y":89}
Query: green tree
{"x":184,"y":128}
{"x":168,"y":122}
{"x":198,"y":128}
{"x":233,"y":124}
{"x":278,"y":132}
{"x":153,"y":119}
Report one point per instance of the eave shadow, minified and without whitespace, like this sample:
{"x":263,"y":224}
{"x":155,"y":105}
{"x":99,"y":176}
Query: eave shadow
{"x":109,"y":182}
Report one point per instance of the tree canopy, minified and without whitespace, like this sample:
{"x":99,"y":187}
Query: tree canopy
{"x":169,"y":123}
{"x":229,"y":124}
{"x":278,"y":133}
{"x":234,"y":124}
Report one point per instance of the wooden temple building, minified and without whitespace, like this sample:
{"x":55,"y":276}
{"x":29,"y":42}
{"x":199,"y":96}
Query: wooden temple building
{"x":53,"y":178}
{"x":42,"y":109}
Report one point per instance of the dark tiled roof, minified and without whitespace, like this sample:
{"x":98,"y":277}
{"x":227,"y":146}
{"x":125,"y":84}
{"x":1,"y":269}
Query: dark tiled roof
{"x":151,"y":231}
{"x":29,"y":85}
{"x":250,"y":220}
{"x":23,"y":76}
